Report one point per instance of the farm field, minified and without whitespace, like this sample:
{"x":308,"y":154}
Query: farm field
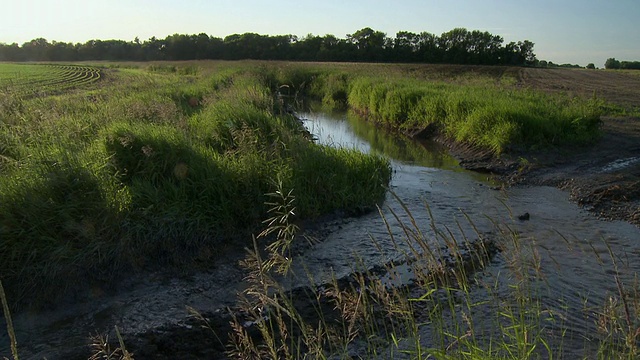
{"x":28,"y":79}
{"x":116,"y":170}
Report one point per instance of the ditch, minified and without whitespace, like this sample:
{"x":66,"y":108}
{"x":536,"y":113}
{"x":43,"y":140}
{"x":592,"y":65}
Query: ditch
{"x":570,"y":245}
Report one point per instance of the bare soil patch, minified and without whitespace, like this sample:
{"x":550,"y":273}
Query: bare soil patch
{"x":603,"y":177}
{"x":620,"y":88}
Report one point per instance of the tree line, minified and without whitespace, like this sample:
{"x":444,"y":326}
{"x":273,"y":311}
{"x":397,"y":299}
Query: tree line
{"x":458,"y":46}
{"x":612,"y":63}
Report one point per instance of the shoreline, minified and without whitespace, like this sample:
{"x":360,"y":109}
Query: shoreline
{"x":603,"y":178}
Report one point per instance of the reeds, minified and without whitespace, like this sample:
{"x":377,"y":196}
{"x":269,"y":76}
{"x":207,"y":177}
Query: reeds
{"x":453,"y":305}
{"x":486,"y":115}
{"x":7,"y":317}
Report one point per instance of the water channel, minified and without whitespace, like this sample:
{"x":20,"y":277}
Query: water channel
{"x":571,"y":245}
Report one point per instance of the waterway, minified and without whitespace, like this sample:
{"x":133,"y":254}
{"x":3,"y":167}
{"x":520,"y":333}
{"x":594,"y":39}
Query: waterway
{"x":577,"y":256}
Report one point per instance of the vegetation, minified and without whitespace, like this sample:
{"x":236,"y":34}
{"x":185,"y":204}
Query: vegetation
{"x":22,"y":79}
{"x":481,"y":112}
{"x":168,"y":161}
{"x":612,"y":63}
{"x":173,"y":163}
{"x":451,"y":309}
{"x":458,"y":46}
{"x":154,"y":168}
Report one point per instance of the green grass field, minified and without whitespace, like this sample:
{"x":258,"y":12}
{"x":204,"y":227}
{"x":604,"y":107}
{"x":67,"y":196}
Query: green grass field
{"x":25,"y":79}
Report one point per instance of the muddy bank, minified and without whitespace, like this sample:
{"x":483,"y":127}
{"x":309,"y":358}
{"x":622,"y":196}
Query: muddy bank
{"x":206,"y":335}
{"x":604,"y":178}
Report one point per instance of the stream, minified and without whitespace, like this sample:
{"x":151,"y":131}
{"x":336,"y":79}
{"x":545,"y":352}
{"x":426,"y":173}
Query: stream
{"x":571,"y":245}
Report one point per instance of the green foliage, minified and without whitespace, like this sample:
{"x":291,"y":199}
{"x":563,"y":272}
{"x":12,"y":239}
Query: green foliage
{"x":332,"y":88}
{"x":459,"y":46}
{"x":328,"y":178}
{"x":612,"y":63}
{"x":156,"y":168}
{"x":484,"y":115}
{"x":57,"y":223}
{"x":23,"y":79}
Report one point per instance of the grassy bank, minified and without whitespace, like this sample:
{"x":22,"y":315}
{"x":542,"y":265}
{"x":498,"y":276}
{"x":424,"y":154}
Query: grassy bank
{"x":482,"y":106}
{"x":164,"y":163}
{"x":155,"y":165}
{"x":483,"y":110}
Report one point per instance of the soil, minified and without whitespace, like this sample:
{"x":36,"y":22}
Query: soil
{"x":603,"y":177}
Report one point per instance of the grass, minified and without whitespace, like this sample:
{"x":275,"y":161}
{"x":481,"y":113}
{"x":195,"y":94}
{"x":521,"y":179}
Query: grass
{"x":455,"y":308}
{"x":29,"y":79}
{"x":485,"y":115}
{"x":480,"y":106}
{"x":152,"y":168}
{"x":167,"y":164}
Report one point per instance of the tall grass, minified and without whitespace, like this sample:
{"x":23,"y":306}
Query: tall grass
{"x":475,"y":108}
{"x":485,"y":115}
{"x":155,"y":168}
{"x":451,"y":306}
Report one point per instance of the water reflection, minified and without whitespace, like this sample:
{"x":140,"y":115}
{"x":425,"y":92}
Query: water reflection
{"x":346,"y":129}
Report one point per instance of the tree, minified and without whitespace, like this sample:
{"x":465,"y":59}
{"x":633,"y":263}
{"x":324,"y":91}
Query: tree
{"x":428,"y":50}
{"x":405,"y":46}
{"x":591,"y":66}
{"x":455,"y":45}
{"x":612,"y":63}
{"x":526,"y":52}
{"x":370,"y":43}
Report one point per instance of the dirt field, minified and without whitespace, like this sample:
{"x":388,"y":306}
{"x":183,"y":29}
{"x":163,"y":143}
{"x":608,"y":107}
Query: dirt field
{"x":605,"y":177}
{"x":621,"y":88}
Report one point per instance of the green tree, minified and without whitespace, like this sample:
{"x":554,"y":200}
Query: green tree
{"x":455,"y":45}
{"x":612,"y":63}
{"x":370,"y":43}
{"x":405,"y":46}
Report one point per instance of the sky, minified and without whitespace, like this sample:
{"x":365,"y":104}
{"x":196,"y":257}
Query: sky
{"x":563,"y":31}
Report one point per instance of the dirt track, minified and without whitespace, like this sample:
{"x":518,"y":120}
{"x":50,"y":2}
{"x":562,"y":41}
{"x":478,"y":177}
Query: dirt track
{"x":605,"y":177}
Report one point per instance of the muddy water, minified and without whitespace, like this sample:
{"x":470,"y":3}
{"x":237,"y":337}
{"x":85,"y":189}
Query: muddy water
{"x":571,"y":246}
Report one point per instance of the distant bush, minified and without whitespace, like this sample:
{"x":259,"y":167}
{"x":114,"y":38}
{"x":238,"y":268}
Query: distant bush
{"x":632,"y":65}
{"x":612,"y":63}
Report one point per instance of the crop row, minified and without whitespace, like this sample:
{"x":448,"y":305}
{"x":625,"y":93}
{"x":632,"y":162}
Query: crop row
{"x":37,"y":79}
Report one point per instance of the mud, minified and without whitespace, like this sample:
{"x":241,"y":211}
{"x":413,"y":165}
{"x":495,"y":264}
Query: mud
{"x":604,"y":178}
{"x":205,"y":335}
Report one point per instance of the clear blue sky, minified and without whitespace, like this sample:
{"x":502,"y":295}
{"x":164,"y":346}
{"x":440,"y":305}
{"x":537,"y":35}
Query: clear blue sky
{"x":564,"y":31}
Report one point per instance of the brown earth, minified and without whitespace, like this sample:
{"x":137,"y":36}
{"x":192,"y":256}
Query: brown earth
{"x":603,"y":177}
